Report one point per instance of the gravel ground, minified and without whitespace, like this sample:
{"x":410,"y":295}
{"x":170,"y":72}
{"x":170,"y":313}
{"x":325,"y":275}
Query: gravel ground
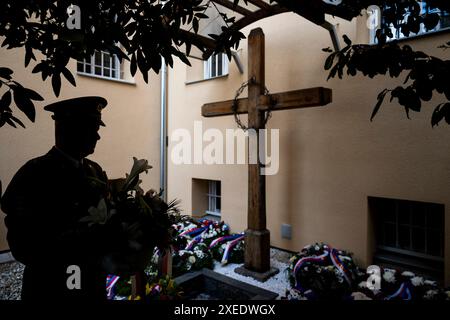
{"x":11,"y":280}
{"x":278,"y":283}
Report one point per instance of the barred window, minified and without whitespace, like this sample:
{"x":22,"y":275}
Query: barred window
{"x":409,"y":234}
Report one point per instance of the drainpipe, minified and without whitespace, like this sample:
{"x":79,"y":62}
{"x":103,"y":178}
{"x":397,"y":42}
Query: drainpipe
{"x":333,"y":34}
{"x":163,"y":134}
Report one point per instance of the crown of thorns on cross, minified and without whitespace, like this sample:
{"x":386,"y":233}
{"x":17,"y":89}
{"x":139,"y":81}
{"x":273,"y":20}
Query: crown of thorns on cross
{"x":239,"y":91}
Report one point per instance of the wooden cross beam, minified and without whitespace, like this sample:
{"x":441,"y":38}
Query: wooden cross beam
{"x":257,"y":237}
{"x":304,"y":98}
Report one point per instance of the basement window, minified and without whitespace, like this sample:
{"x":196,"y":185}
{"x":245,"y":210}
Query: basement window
{"x":409,"y":235}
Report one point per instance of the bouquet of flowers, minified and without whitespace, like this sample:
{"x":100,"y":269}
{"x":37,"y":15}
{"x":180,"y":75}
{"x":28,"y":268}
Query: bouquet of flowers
{"x":400,"y":285}
{"x":144,"y":219}
{"x":190,"y":260}
{"x":163,"y":289}
{"x":228,"y":249}
{"x":322,"y":272}
{"x":203,"y":231}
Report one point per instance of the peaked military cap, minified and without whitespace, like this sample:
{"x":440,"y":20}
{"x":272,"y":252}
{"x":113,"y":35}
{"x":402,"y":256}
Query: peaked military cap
{"x":78,"y":108}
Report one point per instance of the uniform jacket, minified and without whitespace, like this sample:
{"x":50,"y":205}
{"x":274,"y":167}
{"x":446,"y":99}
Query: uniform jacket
{"x":43,"y":204}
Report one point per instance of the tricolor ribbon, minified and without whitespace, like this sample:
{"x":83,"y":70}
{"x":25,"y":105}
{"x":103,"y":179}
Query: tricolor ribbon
{"x":111,"y":280}
{"x":193,"y":231}
{"x":219,"y":240}
{"x":339,"y":265}
{"x":403,"y":292}
{"x":229,"y":247}
{"x":194,"y":241}
{"x":302,"y":261}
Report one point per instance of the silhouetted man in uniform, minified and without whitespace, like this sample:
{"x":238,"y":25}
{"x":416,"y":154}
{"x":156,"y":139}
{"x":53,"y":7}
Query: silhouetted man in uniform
{"x":46,"y":200}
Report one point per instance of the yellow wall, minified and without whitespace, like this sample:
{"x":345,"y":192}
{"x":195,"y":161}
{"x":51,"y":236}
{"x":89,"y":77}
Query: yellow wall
{"x":331,"y":158}
{"x":132,"y":124}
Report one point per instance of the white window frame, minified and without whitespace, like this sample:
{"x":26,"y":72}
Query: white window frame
{"x":210,"y":71}
{"x":112,"y":57}
{"x":213,"y":195}
{"x":423,"y":31}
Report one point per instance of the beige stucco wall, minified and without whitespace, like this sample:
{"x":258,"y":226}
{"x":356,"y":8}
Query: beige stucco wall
{"x":332,"y":158}
{"x":132,"y":124}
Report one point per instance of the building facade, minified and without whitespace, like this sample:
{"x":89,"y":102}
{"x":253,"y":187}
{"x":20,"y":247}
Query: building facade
{"x":336,"y":168}
{"x":378,"y":189}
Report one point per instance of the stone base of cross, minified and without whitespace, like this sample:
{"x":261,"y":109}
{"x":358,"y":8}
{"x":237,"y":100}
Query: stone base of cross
{"x":257,"y":237}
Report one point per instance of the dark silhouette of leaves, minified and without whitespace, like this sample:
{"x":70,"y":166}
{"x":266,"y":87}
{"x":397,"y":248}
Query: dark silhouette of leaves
{"x":441,"y":112}
{"x":68,"y":75}
{"x":56,"y":83}
{"x":6,"y":73}
{"x":380,"y":98}
{"x":24,"y":103}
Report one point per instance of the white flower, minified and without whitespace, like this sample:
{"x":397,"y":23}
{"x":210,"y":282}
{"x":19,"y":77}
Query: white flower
{"x":360,"y":296}
{"x":214,"y":233}
{"x":317,"y":248}
{"x":192,"y":259}
{"x":430,"y":283}
{"x":417,"y":281}
{"x":389,"y":276}
{"x":362,"y":284}
{"x":430,"y":294}
{"x":408,"y":274}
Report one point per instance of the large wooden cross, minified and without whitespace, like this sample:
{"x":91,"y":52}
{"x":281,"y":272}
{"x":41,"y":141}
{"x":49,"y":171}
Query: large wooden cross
{"x":257,"y":237}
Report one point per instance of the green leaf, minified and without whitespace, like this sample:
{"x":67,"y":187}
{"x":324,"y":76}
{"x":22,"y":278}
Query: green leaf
{"x":68,"y":75}
{"x":380,"y":98}
{"x":98,"y":214}
{"x":56,"y":83}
